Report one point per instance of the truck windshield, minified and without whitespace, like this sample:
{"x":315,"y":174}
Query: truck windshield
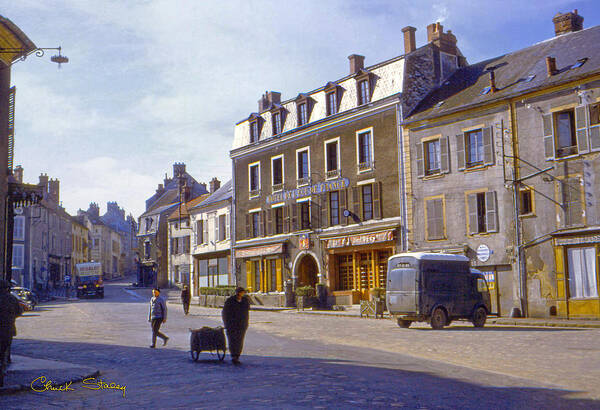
{"x":88,"y":279}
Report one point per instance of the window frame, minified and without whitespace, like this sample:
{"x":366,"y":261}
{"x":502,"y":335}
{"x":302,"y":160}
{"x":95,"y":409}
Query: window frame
{"x":254,"y":193}
{"x":530,"y":191}
{"x":370,"y":165}
{"x":468,"y":152}
{"x":254,"y":130}
{"x":366,"y":98}
{"x":331,"y":106}
{"x":363,"y":203}
{"x":19,"y":220}
{"x":20,"y":246}
{"x":223,"y":228}
{"x":302,"y":181}
{"x":302,"y":114}
{"x":255,"y":225}
{"x":571,"y":278}
{"x":334,"y":173}
{"x":278,"y":187}
{"x":277,"y":121}
{"x":570,"y":149}
{"x":426,"y":157}
{"x":275,"y":211}
{"x":301,"y":203}
{"x":488,"y":195}
{"x":333,"y":211}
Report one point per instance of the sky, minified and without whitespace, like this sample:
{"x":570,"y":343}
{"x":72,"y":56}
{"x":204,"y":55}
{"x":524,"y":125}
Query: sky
{"x":153,"y":82}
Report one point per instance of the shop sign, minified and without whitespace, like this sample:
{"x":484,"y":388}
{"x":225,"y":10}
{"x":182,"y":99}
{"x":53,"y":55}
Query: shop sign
{"x":490,"y":278}
{"x":483,"y":253}
{"x":576,"y":240}
{"x":308,"y":190}
{"x":304,"y":242}
{"x":259,"y":251}
{"x":356,"y":240}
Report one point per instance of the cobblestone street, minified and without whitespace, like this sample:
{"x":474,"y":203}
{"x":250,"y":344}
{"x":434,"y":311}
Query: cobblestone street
{"x":295,"y":360}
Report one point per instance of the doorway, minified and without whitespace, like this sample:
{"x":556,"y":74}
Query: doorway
{"x":307,"y":271}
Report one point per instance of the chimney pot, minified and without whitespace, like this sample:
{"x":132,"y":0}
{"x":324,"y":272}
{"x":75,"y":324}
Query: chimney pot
{"x":410,"y":43}
{"x":268,"y":99}
{"x":445,"y":41}
{"x":492,"y":82}
{"x":357,"y":63}
{"x":567,"y":22}
{"x":550,"y":66}
{"x":214,"y":184}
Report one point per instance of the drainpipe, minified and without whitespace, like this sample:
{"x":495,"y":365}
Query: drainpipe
{"x":401,"y":179}
{"x":232,"y":225}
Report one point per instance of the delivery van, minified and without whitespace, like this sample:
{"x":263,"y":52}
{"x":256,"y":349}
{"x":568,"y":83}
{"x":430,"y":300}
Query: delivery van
{"x":89,"y":279}
{"x":435,"y":288}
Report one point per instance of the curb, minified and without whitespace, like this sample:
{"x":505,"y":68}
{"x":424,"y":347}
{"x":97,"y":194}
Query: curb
{"x":545,"y":324}
{"x":15,"y":388}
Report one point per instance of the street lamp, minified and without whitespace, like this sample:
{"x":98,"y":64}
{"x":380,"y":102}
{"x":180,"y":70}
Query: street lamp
{"x":22,"y":54}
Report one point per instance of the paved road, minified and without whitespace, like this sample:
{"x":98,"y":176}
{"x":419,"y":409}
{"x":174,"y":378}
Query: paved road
{"x":297,"y":361}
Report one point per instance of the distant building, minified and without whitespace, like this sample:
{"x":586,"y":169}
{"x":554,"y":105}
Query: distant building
{"x":80,"y":240}
{"x":104,"y":242}
{"x":126,"y":228}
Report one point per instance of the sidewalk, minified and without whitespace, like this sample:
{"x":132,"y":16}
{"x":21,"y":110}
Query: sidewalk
{"x":24,"y":370}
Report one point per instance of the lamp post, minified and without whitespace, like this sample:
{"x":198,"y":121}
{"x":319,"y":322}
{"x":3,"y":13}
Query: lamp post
{"x":21,"y":54}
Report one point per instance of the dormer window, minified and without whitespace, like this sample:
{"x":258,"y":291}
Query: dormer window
{"x":304,"y":105}
{"x":254,"y":131}
{"x":302,"y":114}
{"x":364,"y":96}
{"x":331,"y":98}
{"x":277,"y":118}
{"x":276,"y":123}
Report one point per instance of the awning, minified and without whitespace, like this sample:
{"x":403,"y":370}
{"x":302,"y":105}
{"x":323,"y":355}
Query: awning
{"x":259,"y":251}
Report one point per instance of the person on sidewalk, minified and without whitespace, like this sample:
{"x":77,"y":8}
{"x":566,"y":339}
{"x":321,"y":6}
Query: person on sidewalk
{"x":157,"y":316}
{"x":185,"y":299}
{"x":9,"y":310}
{"x":235,"y":317}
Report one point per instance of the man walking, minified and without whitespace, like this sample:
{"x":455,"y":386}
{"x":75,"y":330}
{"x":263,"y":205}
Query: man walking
{"x":235,"y":317}
{"x":185,"y":299}
{"x":157,"y":316}
{"x":9,"y":310}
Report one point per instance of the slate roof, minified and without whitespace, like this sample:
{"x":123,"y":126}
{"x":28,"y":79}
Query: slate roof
{"x":186,"y":206}
{"x":223,"y":193}
{"x":463,"y":89}
{"x":159,"y":210}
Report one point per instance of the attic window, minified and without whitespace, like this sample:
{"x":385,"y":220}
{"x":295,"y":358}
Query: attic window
{"x":486,"y":90}
{"x":579,"y":62}
{"x":529,"y":78}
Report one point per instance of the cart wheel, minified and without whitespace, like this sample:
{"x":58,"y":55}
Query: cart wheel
{"x":195,"y":354}
{"x":221,"y":354}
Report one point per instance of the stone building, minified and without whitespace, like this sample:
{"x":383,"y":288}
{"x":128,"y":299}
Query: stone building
{"x":152,"y":235}
{"x":502,"y":163}
{"x":80,"y":240}
{"x":104,"y":242}
{"x":126,"y":228}
{"x":319,"y":187}
{"x":211,"y":238}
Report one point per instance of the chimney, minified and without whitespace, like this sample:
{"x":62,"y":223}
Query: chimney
{"x":54,"y":189}
{"x":160,"y":189}
{"x":567,"y":22}
{"x":268,"y":99}
{"x":94,"y":210}
{"x":410,"y":43}
{"x":214,"y":184}
{"x":357,"y":63}
{"x":18,"y":174}
{"x":44,"y":182}
{"x":493,"y":88}
{"x":178,"y":169}
{"x":445,"y":41}
{"x":550,"y":66}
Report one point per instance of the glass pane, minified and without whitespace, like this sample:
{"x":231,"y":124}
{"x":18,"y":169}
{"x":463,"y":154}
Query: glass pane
{"x":564,"y":127}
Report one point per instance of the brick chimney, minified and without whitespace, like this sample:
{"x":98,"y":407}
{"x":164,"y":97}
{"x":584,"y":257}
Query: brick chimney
{"x":268,"y":99}
{"x":54,"y":189}
{"x":567,"y":22}
{"x":160,"y":189}
{"x":44,"y":183}
{"x":410,"y":43}
{"x":550,"y":66}
{"x":18,"y":174}
{"x":445,"y":41}
{"x":214,"y":184}
{"x":357,"y":62}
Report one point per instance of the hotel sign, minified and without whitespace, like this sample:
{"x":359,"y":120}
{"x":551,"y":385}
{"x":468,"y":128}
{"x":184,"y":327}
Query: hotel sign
{"x":259,"y":251}
{"x":308,"y":190}
{"x":357,"y":240}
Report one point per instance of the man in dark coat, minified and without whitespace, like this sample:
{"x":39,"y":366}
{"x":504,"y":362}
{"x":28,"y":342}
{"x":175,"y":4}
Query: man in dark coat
{"x":157,"y":316}
{"x":9,"y":310}
{"x":185,"y":299}
{"x":235,"y":317}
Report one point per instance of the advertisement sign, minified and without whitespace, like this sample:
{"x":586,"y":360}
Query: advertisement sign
{"x":89,"y":269}
{"x":356,"y":240}
{"x":308,"y":190}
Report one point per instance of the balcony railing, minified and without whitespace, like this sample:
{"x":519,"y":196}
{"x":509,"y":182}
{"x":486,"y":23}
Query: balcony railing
{"x":277,"y":187}
{"x":303,"y":181}
{"x":365,"y":166}
{"x":334,"y":173}
{"x":254,"y":193}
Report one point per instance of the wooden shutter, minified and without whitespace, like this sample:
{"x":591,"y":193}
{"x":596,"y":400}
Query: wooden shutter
{"x":595,"y":138}
{"x":571,"y":197}
{"x":325,"y":210}
{"x":172,"y":246}
{"x":261,"y":223}
{"x":228,"y":226}
{"x":548,"y":136}
{"x":460,"y":152}
{"x":376,"y":195}
{"x":356,"y":201}
{"x":343,"y":205}
{"x":581,"y":128}
{"x":491,"y":212}
{"x":249,"y":276}
{"x":488,"y":145}
{"x":420,"y":160}
{"x":279,"y":273}
{"x":270,"y":229}
{"x":430,"y":218}
{"x":286,"y":219}
{"x":315,"y":215}
{"x":444,"y":155}
{"x":472,"y":205}
{"x":248,"y":227}
{"x":294,"y":218}
{"x":217,"y":227}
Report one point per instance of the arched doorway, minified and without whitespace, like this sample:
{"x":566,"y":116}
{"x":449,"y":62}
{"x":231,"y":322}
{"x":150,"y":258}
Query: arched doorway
{"x":307,"y":271}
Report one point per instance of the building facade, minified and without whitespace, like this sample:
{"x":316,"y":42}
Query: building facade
{"x":319,"y":185}
{"x":211,"y":238}
{"x":104,"y":242}
{"x":126,"y":228}
{"x":80,"y":240}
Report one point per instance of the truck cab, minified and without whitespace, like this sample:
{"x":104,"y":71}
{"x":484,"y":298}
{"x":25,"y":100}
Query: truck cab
{"x":89,"y":279}
{"x":436,"y":288}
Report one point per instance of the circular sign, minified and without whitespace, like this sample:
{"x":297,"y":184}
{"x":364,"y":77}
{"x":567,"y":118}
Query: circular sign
{"x":483,"y":253}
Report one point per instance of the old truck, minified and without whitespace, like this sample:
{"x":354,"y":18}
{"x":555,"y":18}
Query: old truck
{"x":89,"y":279}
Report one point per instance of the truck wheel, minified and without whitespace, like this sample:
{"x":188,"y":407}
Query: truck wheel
{"x":404,"y":323}
{"x":479,"y":317}
{"x":438,"y":319}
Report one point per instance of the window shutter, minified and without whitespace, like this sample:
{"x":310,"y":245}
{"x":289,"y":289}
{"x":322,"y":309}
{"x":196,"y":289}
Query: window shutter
{"x":315,"y":215}
{"x":269,"y":222}
{"x":279,"y":273}
{"x":460,"y":151}
{"x":444,"y":155}
{"x":430,"y":218}
{"x":227,"y":226}
{"x":488,"y":145}
{"x":343,"y":205}
{"x":248,"y":226}
{"x":581,"y":129}
{"x":216,"y":222}
{"x":294,"y":225}
{"x":548,"y":136}
{"x":376,"y":192}
{"x":261,"y":224}
{"x":325,"y":210}
{"x":249,"y":276}
{"x":420,"y":160}
{"x":491,"y":212}
{"x":172,"y":246}
{"x":205,"y":235}
{"x":286,"y":219}
{"x":472,"y":205}
{"x":356,"y":201}
{"x":439,"y":208}
{"x":595,"y":138}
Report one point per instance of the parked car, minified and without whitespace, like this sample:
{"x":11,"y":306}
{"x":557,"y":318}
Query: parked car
{"x":23,"y":303}
{"x":435,"y":288}
{"x":26,"y":294}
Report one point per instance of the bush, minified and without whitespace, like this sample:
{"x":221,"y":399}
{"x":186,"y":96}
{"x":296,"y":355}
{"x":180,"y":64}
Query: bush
{"x":305,"y":291}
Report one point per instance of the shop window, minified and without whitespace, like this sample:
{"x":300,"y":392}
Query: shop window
{"x":367,"y":202}
{"x":434,"y":217}
{"x":482,"y":212}
{"x":364,"y":143}
{"x":273,"y":275}
{"x":257,"y":275}
{"x":346,"y":272}
{"x":304,"y":215}
{"x":474,"y":148}
{"x":582,"y":272}
{"x":334,"y":208}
